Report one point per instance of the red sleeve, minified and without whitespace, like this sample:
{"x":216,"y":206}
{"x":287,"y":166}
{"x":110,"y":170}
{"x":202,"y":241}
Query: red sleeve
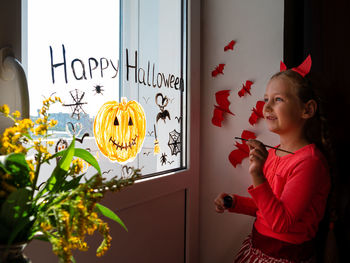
{"x":281,"y":213}
{"x":244,"y":205}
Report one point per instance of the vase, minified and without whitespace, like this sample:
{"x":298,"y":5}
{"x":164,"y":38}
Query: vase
{"x":13,"y":253}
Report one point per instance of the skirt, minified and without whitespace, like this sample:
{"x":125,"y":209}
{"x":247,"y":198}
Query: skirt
{"x":251,"y":254}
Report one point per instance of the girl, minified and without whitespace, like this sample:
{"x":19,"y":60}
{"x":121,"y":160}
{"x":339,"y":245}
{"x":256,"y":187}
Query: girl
{"x":289,"y":190}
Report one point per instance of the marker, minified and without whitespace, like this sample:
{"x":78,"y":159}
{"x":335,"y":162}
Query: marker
{"x":268,"y":146}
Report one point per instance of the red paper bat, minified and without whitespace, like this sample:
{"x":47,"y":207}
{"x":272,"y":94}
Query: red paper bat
{"x":246,"y":88}
{"x":230,"y":45}
{"x":257,"y":112}
{"x":218,"y":70}
{"x":242,"y":151}
{"x":221,"y":99}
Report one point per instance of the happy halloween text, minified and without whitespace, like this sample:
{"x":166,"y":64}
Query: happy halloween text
{"x":106,"y":67}
{"x":158,"y":80}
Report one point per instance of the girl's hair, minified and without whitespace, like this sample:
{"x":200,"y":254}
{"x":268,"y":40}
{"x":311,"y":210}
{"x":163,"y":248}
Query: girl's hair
{"x":316,"y":128}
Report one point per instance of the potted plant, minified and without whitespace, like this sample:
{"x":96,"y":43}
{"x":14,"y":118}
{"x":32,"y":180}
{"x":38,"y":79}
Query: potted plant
{"x":63,"y":209}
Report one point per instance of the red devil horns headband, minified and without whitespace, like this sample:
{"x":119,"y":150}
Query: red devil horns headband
{"x":302,"y":69}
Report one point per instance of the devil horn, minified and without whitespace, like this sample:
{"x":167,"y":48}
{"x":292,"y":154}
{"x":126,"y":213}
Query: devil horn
{"x":304,"y":68}
{"x":283,"y":67}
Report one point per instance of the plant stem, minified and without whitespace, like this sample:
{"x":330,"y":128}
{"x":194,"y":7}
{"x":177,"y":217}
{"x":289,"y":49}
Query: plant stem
{"x":36,"y":174}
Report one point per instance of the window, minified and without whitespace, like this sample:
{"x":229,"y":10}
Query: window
{"x":153,"y":55}
{"x":91,"y":52}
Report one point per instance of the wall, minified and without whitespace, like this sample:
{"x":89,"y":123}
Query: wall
{"x":10,"y":17}
{"x":257,"y":28}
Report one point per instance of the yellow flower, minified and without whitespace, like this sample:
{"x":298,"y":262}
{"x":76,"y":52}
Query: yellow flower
{"x":45,"y":226}
{"x":39,"y":121}
{"x":105,"y":245}
{"x":52,"y":123}
{"x":31,"y":170}
{"x":81,"y":206}
{"x":5,"y":109}
{"x":77,"y":166}
{"x":83,"y":246}
{"x":41,"y":129}
{"x":91,"y":229}
{"x":16,"y":114}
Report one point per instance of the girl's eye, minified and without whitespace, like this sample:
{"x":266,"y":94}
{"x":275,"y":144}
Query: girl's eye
{"x":279,"y":99}
{"x":266,"y":100}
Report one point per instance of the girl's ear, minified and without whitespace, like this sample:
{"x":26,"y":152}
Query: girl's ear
{"x":310,"y":108}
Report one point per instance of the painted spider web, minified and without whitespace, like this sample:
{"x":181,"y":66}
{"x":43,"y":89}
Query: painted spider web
{"x":76,"y":106}
{"x":174,"y":142}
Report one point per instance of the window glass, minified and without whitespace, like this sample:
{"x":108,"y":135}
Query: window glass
{"x":153,"y":71}
{"x":92,"y":52}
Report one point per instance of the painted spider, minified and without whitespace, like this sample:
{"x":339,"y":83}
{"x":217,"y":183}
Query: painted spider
{"x":98,"y":89}
{"x":163,"y":158}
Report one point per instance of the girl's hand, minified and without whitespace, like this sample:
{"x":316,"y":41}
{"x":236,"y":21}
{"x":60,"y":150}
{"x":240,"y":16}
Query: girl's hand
{"x":219,"y":202}
{"x":257,"y":157}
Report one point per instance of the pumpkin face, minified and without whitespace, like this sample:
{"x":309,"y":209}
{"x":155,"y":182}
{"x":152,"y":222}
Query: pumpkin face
{"x":119,"y":130}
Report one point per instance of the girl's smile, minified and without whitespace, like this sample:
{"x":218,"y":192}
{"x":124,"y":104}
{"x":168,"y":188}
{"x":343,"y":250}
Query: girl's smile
{"x":270,"y":118}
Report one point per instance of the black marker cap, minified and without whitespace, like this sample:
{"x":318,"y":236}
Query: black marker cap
{"x":228,"y":201}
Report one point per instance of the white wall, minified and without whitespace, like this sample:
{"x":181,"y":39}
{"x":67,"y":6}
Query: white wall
{"x":257,"y":28}
{"x":10,"y":36}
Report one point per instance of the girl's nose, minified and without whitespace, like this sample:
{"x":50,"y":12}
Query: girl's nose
{"x":267,"y":106}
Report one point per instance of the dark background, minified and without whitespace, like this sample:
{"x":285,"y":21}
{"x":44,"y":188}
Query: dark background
{"x":321,"y":28}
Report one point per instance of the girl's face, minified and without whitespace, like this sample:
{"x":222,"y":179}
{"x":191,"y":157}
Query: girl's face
{"x":283,"y":110}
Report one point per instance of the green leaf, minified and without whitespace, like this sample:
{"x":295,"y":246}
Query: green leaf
{"x":83,"y":154}
{"x":16,"y":158}
{"x":88,"y":157}
{"x":57,"y":176}
{"x":2,"y":166}
{"x":110,"y":214}
{"x":15,"y":205}
{"x":16,"y":163}
{"x":14,"y":212}
{"x":67,"y":157}
{"x":17,"y":231}
{"x":72,"y":184}
{"x":5,"y":232}
{"x":58,"y":154}
{"x":39,"y":236}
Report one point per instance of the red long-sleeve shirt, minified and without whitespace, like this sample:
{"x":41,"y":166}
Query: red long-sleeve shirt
{"x":291,"y":203}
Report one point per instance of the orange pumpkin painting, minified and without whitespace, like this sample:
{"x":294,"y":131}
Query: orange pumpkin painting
{"x":119,"y":130}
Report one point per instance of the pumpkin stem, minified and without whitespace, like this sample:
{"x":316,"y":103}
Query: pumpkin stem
{"x":123,"y":100}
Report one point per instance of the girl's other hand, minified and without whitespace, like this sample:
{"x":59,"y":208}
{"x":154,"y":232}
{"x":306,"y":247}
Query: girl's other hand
{"x":257,"y":157}
{"x":219,"y":202}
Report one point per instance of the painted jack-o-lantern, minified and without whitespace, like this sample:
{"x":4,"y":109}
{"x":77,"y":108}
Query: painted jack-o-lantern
{"x":120,"y":129}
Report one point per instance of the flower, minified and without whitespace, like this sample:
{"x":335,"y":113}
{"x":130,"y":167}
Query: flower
{"x":5,"y":109}
{"x":65,"y":208}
